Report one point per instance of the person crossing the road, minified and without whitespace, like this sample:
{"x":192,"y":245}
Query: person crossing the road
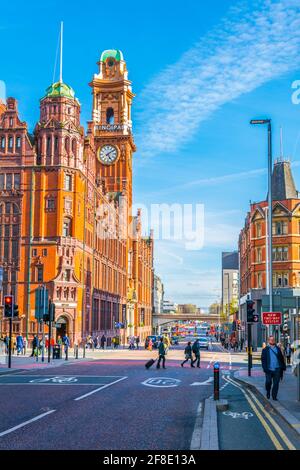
{"x":273,"y":365}
{"x":196,"y":351}
{"x":188,"y":354}
{"x":161,"y":354}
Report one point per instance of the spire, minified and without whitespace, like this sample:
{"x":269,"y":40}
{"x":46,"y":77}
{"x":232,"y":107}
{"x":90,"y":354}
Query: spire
{"x":61,"y":52}
{"x":283,"y":185}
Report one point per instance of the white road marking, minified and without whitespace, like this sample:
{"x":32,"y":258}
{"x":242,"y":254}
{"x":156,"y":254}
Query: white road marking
{"x":98,"y":389}
{"x":165,"y":382}
{"x":207,"y":382}
{"x":8,"y":431}
{"x":196,"y":437}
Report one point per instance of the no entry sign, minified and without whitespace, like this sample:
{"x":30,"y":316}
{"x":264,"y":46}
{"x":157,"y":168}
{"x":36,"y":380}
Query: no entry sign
{"x":271,"y":318}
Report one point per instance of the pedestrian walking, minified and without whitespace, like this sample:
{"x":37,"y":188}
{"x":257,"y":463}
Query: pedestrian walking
{"x":137,"y":340}
{"x":24,"y":349}
{"x":150,"y":345}
{"x":242,"y":344}
{"x":6,"y":342}
{"x":102,"y":341}
{"x":66,"y":343}
{"x":161,"y":355}
{"x":273,"y":365}
{"x":288,"y":353}
{"x":20,"y":344}
{"x":95,"y":340}
{"x":188,"y":355}
{"x":196,"y":351}
{"x":35,"y":344}
{"x":131,"y":342}
{"x":147,"y":343}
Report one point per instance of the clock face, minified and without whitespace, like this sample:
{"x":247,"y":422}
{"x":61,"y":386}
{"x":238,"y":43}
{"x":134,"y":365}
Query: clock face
{"x":108,"y":154}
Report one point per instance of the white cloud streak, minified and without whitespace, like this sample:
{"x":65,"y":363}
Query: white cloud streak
{"x":247,"y":49}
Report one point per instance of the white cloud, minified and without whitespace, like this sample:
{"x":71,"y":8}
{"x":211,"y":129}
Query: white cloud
{"x":248,"y":49}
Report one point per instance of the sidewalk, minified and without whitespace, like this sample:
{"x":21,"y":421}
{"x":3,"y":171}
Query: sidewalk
{"x":22,"y":363}
{"x":287,"y":405}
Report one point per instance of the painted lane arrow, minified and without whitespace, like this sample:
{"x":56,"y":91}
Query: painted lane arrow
{"x":207,"y":382}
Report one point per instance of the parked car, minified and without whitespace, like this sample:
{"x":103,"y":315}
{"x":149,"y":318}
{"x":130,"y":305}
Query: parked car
{"x":203,"y":342}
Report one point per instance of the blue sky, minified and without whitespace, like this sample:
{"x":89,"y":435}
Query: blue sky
{"x":200,"y":71}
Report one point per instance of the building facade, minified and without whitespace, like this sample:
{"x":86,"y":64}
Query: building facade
{"x":158,"y":295}
{"x":66,"y":211}
{"x":253,"y":249}
{"x":230,"y":284}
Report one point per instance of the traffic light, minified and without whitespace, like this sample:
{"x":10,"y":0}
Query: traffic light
{"x":250,"y":311}
{"x":8,"y":306}
{"x":286,"y":319}
{"x":51,"y":313}
{"x":16,"y":310}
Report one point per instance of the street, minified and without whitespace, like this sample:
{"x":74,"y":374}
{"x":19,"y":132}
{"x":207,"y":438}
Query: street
{"x":113,"y":402}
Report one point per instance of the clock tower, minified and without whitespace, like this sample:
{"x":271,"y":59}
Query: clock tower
{"x":112,"y":125}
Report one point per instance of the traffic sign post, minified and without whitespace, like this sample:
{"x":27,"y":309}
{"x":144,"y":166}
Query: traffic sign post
{"x":216,"y":381}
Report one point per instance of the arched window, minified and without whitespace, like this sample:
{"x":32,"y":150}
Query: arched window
{"x":110,"y":119}
{"x":74,"y":145}
{"x":48,"y":150}
{"x":67,"y":144}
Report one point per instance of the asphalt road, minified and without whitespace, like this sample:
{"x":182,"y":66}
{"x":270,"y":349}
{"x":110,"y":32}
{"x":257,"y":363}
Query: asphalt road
{"x":112,"y":403}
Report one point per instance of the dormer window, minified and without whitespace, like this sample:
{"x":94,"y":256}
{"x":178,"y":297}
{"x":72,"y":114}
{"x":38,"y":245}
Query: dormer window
{"x":110,"y":119}
{"x":110,"y":62}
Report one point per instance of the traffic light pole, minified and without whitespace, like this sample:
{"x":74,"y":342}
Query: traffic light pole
{"x":10,"y":341}
{"x":249,"y":349}
{"x":50,"y":332}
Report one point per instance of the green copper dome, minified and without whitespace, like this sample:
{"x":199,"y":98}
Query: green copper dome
{"x":115,"y":53}
{"x":59,"y":89}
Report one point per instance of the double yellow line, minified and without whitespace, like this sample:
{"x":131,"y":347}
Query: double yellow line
{"x":262,"y":414}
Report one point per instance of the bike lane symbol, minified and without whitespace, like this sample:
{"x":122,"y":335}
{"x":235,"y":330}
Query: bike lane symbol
{"x":56,"y":380}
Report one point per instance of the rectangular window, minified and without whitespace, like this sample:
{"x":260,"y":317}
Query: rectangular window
{"x":6,"y":231}
{"x":15,"y":231}
{"x":44,"y":252}
{"x":9,"y":181}
{"x":3,"y":144}
{"x":34,"y":252}
{"x":50,"y":204}
{"x":258,"y":230}
{"x":10,"y":142}
{"x":280,"y":228}
{"x":18,"y":142}
{"x":68,"y":204}
{"x":68,"y":182}
{"x":1,"y":181}
{"x":16,"y":181}
{"x":40,"y":273}
{"x":6,"y":250}
{"x":15,"y":249}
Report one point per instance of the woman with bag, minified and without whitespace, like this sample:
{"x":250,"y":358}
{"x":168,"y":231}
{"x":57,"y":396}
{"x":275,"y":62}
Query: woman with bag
{"x":188,"y":354}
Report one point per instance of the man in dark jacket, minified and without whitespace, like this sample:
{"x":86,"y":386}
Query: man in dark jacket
{"x":162,"y":354}
{"x":35,"y":344}
{"x":196,"y":351}
{"x":273,"y":364}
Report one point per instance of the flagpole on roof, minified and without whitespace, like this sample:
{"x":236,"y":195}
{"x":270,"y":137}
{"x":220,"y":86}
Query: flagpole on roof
{"x":61,"y":52}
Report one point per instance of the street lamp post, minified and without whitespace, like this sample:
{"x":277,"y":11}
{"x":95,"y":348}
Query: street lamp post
{"x":270,"y":267}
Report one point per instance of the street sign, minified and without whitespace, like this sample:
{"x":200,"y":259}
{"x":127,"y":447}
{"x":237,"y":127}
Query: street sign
{"x":271,"y":318}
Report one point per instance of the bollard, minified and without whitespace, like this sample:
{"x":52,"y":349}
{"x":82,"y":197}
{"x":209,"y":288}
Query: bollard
{"x":84,"y":351}
{"x":216,"y":381}
{"x":76,"y":351}
{"x":66,"y":353}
